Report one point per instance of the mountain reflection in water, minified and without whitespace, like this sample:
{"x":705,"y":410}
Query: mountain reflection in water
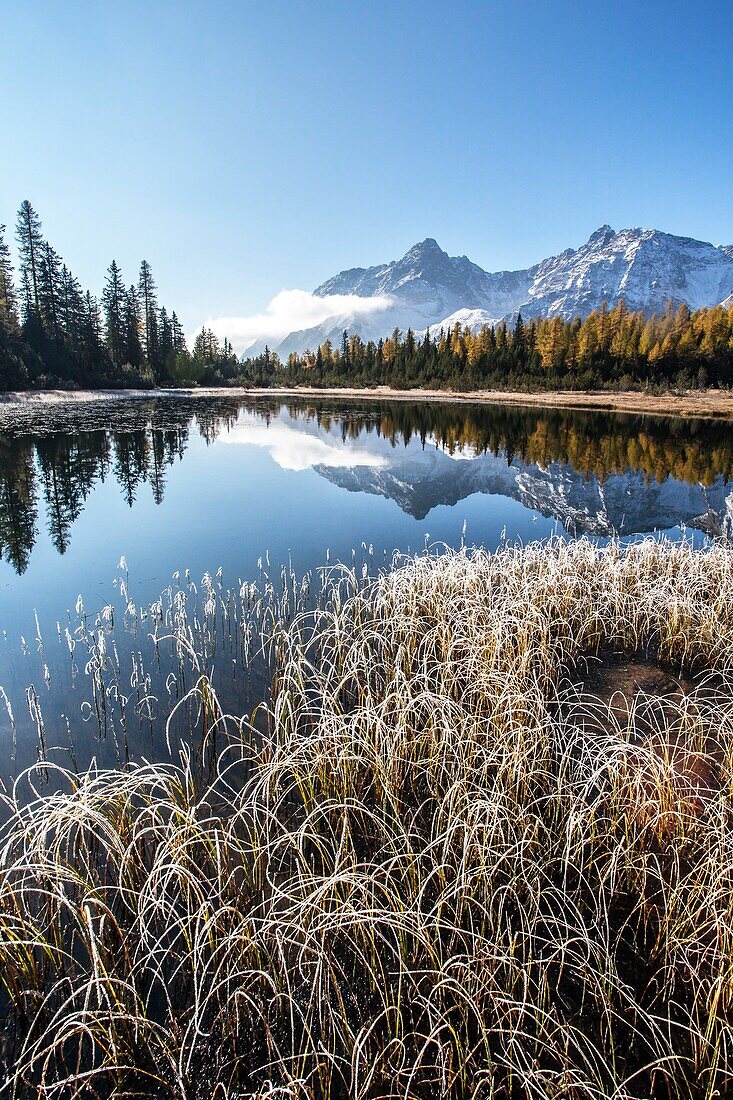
{"x":596,"y":473}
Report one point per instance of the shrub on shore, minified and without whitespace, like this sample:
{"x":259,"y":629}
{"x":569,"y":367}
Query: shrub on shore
{"x":439,"y":868}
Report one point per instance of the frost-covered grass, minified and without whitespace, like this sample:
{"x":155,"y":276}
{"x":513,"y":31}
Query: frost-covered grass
{"x":432,"y":868}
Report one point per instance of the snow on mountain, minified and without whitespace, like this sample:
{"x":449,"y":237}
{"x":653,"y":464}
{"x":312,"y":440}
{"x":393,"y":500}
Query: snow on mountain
{"x":644,"y":267}
{"x":433,"y":283}
{"x":466,"y":318}
{"x":426,"y":288}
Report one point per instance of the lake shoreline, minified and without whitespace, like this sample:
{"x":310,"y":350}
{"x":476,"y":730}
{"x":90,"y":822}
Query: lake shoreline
{"x":707,"y":404}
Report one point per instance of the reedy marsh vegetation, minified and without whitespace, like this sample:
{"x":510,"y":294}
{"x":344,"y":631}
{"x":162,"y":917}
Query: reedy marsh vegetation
{"x":430,"y":865}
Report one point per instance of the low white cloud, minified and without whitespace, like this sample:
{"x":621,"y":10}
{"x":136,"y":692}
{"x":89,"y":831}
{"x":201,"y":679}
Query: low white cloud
{"x":289,"y":311}
{"x":294,"y":450}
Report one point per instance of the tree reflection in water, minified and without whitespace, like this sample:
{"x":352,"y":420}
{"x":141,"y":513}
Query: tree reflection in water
{"x":60,"y":453}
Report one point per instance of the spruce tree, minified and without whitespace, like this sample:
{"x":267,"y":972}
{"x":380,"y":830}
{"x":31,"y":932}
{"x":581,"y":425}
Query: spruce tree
{"x":26,"y":295}
{"x":92,"y":322}
{"x":114,"y":301}
{"x":148,"y":307}
{"x":49,"y":289}
{"x":165,"y":338}
{"x":133,"y":345}
{"x":179,"y":340}
{"x":30,"y":244}
{"x":71,"y":309}
{"x":8,"y":308}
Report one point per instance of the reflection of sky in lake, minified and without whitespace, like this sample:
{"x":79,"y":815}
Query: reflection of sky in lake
{"x":292,"y":448}
{"x":280,"y":481}
{"x":233,"y":482}
{"x":256,"y":488}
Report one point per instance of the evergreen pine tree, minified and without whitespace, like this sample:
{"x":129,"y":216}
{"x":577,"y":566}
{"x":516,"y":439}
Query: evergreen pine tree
{"x":133,"y":345}
{"x":148,"y":307}
{"x":8,"y":307}
{"x":30,"y":244}
{"x":114,"y":300}
{"x":179,"y":340}
{"x":71,"y":310}
{"x":518,"y":336}
{"x":92,"y":322}
{"x":49,"y":285}
{"x":164,"y":337}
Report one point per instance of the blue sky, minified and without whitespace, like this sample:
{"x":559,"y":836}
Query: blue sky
{"x":247,"y":147}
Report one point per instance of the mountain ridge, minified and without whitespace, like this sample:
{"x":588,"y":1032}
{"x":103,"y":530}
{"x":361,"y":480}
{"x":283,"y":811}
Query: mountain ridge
{"x":427,"y":288}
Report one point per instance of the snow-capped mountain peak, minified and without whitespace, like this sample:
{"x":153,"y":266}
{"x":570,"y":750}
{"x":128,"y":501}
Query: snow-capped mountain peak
{"x":427,"y":288}
{"x":602,"y":236}
{"x":425,"y":250}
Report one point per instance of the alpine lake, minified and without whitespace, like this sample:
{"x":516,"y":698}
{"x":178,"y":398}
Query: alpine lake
{"x":138,"y":534}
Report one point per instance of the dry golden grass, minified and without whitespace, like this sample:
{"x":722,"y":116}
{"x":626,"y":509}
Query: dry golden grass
{"x":438,"y":869}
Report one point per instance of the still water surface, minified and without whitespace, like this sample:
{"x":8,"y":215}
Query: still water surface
{"x":246,"y":486}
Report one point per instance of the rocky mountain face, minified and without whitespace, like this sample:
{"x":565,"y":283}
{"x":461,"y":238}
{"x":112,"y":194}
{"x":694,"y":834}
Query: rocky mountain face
{"x":433,"y":283}
{"x":429,"y":289}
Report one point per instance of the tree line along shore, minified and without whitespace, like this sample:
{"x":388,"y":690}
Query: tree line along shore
{"x":55,"y":335}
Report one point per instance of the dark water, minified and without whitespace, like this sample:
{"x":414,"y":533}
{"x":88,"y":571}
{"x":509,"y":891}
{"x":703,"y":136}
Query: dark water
{"x":248,"y":486}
